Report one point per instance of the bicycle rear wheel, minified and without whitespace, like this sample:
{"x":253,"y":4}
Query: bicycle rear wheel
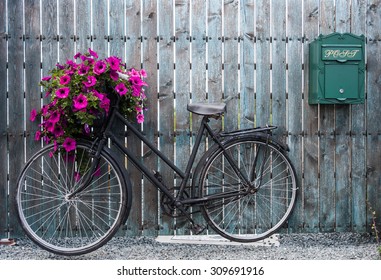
{"x":83,"y":223}
{"x":240,"y":215}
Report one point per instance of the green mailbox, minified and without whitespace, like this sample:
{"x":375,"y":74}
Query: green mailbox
{"x":337,"y":69}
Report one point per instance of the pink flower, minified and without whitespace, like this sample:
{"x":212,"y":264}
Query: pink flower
{"x":93,"y":53}
{"x":105,"y":104}
{"x":63,"y":92}
{"x":114,"y":75}
{"x":55,"y":116}
{"x":140,"y":118}
{"x":64,"y":80}
{"x":114,"y":63}
{"x":83,"y":70}
{"x":99,"y":67}
{"x":77,"y":55}
{"x":58,"y":131}
{"x":91,"y":81}
{"x":69,"y":144}
{"x":33,"y":115}
{"x":80,"y":102}
{"x":143,"y":73}
{"x":47,"y":78}
{"x":37,"y":136}
{"x":121,"y":89}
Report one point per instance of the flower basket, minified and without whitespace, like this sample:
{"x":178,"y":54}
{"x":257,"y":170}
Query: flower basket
{"x":80,"y":93}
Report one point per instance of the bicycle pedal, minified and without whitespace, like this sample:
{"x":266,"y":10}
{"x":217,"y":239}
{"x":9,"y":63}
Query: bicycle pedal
{"x":198,"y":229}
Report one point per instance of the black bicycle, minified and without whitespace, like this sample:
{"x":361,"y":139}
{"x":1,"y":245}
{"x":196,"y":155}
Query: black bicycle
{"x":72,"y":203}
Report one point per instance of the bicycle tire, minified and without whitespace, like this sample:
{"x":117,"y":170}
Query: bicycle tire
{"x":253,"y":216}
{"x":71,"y":226}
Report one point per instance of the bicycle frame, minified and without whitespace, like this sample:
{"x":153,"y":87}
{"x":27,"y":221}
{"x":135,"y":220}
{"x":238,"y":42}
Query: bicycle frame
{"x":184,"y":175}
{"x":177,"y":200}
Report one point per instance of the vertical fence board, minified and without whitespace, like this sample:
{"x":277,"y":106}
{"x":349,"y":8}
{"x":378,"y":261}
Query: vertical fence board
{"x":247,"y":65}
{"x":83,"y":25}
{"x":182,"y":90}
{"x":32,"y":72}
{"x":358,"y":139}
{"x":278,"y":65}
{"x":150,"y":194}
{"x":262,"y":49}
{"x":3,"y":123}
{"x":99,"y":23}
{"x":16,"y":106}
{"x":66,"y":30}
{"x":133,"y":59}
{"x":295,"y":97}
{"x":231,"y":64}
{"x":166,"y":99}
{"x":373,"y":105}
{"x":309,"y":191}
{"x":342,"y":136}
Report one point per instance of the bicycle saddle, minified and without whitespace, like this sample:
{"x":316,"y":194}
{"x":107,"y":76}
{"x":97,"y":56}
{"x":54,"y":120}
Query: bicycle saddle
{"x":207,"y":109}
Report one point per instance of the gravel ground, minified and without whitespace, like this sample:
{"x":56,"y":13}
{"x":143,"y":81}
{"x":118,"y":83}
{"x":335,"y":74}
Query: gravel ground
{"x":328,"y":246}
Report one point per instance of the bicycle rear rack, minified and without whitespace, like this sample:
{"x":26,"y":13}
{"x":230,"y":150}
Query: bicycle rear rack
{"x":266,"y":129}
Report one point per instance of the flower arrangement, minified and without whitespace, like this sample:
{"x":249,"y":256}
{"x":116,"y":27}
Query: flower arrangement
{"x":80,"y":92}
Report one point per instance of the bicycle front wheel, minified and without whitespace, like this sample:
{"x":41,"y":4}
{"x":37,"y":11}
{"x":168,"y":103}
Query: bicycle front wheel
{"x":78,"y":225}
{"x":237,"y":212}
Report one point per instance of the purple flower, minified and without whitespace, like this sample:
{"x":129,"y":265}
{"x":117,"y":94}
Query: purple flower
{"x":114,"y":75}
{"x":121,"y":89}
{"x":114,"y":63}
{"x":93,"y":53}
{"x":33,"y":115}
{"x":47,"y":78}
{"x":55,"y":116}
{"x":64,"y":80}
{"x":105,"y":104}
{"x":37,"y":136}
{"x":58,"y":131}
{"x":80,"y":102}
{"x":99,"y":67}
{"x":69,"y":144}
{"x":77,"y":55}
{"x":49,"y":126}
{"x":140,"y":118}
{"x":91,"y":81}
{"x":86,"y":128}
{"x":83,"y":70}
{"x":63,"y":92}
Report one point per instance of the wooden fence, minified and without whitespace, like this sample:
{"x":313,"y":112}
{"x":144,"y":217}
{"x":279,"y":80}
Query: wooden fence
{"x":253,"y":53}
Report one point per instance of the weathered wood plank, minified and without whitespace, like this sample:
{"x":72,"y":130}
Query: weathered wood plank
{"x":32,"y":73}
{"x":83,"y":25}
{"x":262,"y":54}
{"x":373,"y":104}
{"x":295,"y":99}
{"x":3,"y":124}
{"x":149,"y":45}
{"x":166,"y":99}
{"x":231,"y":64}
{"x":247,"y":65}
{"x":182,"y":92}
{"x":16,"y":107}
{"x":343,"y":211}
{"x":99,"y":30}
{"x":309,"y":191}
{"x":133,"y":59}
{"x":66,"y":30}
{"x":358,"y":139}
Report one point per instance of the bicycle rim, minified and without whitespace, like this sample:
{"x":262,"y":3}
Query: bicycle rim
{"x":253,"y":216}
{"x":70,"y":226}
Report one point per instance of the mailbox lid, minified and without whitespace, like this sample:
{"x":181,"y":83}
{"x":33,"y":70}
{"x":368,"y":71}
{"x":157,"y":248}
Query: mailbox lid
{"x":341,"y":83}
